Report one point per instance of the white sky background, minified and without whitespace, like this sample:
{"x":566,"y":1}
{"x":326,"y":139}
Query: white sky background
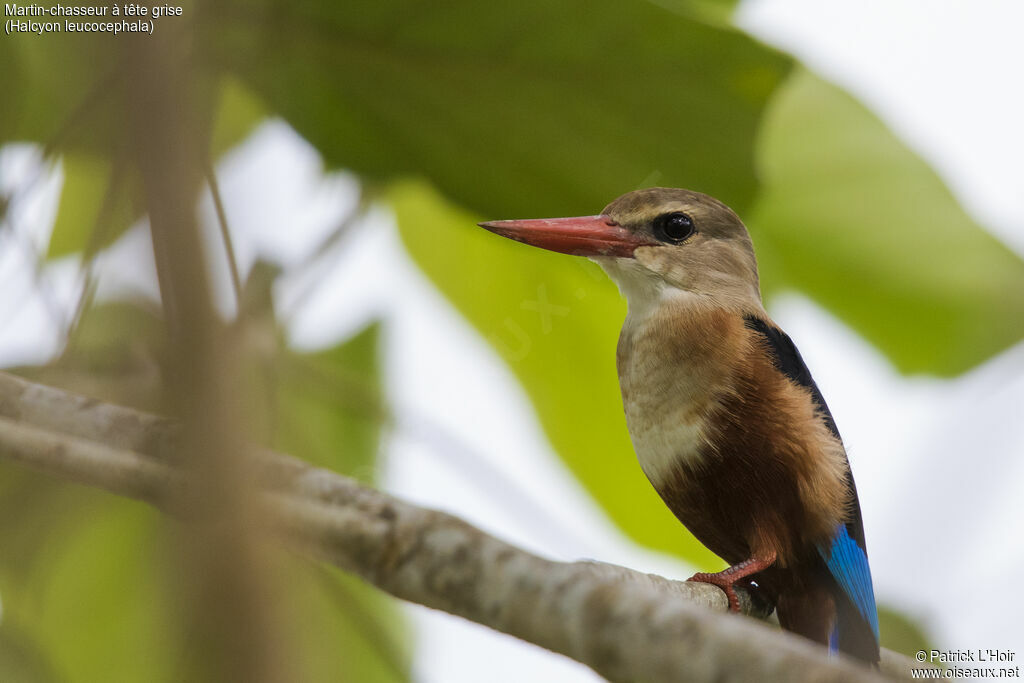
{"x":937,"y":462}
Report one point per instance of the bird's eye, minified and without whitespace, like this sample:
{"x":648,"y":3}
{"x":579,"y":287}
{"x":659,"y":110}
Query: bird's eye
{"x":673,"y":227}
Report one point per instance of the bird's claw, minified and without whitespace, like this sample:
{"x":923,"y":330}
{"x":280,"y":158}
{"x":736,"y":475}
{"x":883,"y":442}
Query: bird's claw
{"x":730,"y":576}
{"x":723,"y":582}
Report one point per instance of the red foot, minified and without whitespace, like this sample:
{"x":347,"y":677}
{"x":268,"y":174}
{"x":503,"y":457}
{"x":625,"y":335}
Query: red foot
{"x":727,"y":578}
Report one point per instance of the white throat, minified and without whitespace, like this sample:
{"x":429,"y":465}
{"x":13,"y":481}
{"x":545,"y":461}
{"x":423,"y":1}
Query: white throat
{"x":645,"y":292}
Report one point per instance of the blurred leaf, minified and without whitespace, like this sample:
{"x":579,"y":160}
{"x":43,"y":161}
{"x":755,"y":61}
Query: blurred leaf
{"x":900,"y":633}
{"x":555,"y":320}
{"x":715,"y":11}
{"x":114,"y":354}
{"x":501,"y":105}
{"x":96,"y":205}
{"x":21,"y":659}
{"x":94,"y":608}
{"x":856,"y":220}
{"x":33,"y":520}
{"x":343,"y":629}
{"x":331,"y":406}
{"x":58,"y":89}
{"x":238,"y":111}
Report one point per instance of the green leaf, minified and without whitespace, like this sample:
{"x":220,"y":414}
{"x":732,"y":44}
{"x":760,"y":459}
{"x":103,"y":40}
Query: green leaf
{"x":555,"y":320}
{"x":97,"y":204}
{"x":853,"y":218}
{"x":900,"y":633}
{"x":57,"y":89}
{"x":21,"y":660}
{"x":331,"y":406}
{"x":344,"y":630}
{"x":512,"y":109}
{"x":238,"y":111}
{"x":96,"y":607}
{"x":32,"y":519}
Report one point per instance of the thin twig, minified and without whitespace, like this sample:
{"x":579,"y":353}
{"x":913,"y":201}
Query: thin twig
{"x":225,"y":231}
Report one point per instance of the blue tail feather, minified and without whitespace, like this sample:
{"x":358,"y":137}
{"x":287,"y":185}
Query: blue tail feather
{"x":848,"y":564}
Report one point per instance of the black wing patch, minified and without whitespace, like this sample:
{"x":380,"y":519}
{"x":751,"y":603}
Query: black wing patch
{"x":787,"y":359}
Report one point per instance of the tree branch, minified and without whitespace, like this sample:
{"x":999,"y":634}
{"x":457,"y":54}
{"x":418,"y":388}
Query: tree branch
{"x":626,"y":625}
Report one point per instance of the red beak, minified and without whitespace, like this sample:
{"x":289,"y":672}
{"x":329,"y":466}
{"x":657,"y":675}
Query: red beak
{"x":582,"y":236}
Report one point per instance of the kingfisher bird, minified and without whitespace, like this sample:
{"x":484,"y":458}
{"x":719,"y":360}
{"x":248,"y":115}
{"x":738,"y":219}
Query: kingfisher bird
{"x":725,"y":419}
